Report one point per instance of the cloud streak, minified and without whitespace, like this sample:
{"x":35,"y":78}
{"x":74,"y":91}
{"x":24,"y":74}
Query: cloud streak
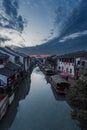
{"x":64,"y":11}
{"x":73,"y":36}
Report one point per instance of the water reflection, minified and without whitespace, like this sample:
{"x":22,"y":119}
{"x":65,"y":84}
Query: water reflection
{"x":56,"y":95}
{"x":22,"y":91}
{"x":42,"y":109}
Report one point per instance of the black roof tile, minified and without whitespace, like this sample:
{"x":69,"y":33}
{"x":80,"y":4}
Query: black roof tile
{"x":7,"y":72}
{"x":21,"y":54}
{"x":3,"y":49}
{"x":3,"y":56}
{"x":12,"y":66}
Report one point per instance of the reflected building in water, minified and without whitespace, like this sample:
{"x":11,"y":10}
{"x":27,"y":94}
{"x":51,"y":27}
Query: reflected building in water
{"x":22,"y":92}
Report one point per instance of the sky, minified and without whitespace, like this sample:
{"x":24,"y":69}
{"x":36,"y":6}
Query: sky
{"x":40,"y":16}
{"x":44,"y":18}
{"x":37,"y":21}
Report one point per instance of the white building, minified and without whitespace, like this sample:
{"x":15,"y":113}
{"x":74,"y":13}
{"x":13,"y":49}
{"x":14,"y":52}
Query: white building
{"x":67,"y":65}
{"x":24,"y":59}
{"x":5,"y":73}
{"x":14,"y":58}
{"x":72,"y":63}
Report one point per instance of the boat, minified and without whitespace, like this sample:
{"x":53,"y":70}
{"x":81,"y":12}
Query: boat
{"x":42,"y":66}
{"x":3,"y":102}
{"x":49,"y":72}
{"x":59,"y":84}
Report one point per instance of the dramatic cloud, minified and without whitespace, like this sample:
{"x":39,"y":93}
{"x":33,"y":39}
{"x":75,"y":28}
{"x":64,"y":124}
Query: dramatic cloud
{"x":11,"y":24}
{"x":11,"y":8}
{"x":64,"y":11}
{"x":9,"y":17}
{"x":73,"y":36}
{"x":4,"y":39}
{"x":51,"y":35}
{"x":11,"y":37}
{"x":47,"y":19}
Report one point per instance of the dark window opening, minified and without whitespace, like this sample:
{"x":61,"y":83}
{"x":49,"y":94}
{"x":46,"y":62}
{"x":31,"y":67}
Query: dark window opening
{"x":66,"y":69}
{"x":78,"y":62}
{"x":83,"y":63}
{"x":1,"y":62}
{"x":70,"y":71}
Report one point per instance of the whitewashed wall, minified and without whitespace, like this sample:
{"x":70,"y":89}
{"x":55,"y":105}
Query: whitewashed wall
{"x":2,"y":66}
{"x":11,"y":57}
{"x":63,"y":67}
{"x":3,"y":78}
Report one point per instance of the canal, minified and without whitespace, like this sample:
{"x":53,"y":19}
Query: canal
{"x":37,"y":107}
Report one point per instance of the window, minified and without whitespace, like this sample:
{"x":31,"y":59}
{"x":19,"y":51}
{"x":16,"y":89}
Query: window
{"x":60,"y":68}
{"x":1,"y":62}
{"x":66,"y":69}
{"x":78,"y":63}
{"x":70,"y":70}
{"x":71,"y":60}
{"x":83,"y":63}
{"x":16,"y":59}
{"x":1,"y":91}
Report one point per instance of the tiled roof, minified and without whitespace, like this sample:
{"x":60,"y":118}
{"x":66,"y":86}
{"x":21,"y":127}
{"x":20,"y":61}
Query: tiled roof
{"x":19,"y":64}
{"x":12,"y":66}
{"x":11,"y":51}
{"x":17,"y":53}
{"x":74,"y":55}
{"x":22,"y":54}
{"x":7,"y":72}
{"x":3,"y":56}
{"x":3,"y":49}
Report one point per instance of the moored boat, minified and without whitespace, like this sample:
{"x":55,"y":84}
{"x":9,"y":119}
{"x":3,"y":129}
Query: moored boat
{"x":59,"y":84}
{"x":49,"y":72}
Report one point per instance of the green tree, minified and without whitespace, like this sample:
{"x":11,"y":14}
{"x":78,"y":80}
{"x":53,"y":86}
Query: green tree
{"x":77,"y":98}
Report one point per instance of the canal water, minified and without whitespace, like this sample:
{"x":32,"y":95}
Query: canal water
{"x":38,"y":107}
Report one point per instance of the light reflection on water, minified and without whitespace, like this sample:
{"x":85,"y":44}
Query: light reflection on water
{"x":41,"y":109}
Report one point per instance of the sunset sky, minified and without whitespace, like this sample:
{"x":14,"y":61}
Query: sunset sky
{"x":38,"y":20}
